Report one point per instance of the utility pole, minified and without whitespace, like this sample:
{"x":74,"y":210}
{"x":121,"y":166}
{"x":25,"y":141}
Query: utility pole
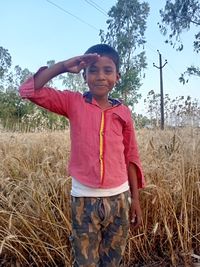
{"x":161,"y":89}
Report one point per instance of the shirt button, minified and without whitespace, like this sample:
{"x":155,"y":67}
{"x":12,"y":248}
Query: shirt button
{"x":101,"y":157}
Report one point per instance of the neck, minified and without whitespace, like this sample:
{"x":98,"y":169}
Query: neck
{"x":103,"y":102}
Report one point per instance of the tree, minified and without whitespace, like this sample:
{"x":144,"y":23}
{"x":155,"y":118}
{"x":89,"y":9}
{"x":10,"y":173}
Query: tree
{"x":16,"y":77}
{"x":141,"y":121}
{"x":69,"y":80}
{"x":73,"y":82}
{"x":180,"y":16}
{"x":10,"y":79}
{"x":5,"y":62}
{"x":125,"y":32}
{"x":180,"y":111}
{"x":153,"y":107}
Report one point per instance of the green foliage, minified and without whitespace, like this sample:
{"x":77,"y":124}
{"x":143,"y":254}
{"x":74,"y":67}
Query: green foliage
{"x":178,"y":16}
{"x":194,"y":71}
{"x":10,"y":79}
{"x":141,"y":121}
{"x":17,"y":114}
{"x":153,"y":107}
{"x":12,"y":108}
{"x":5,"y":61}
{"x":40,"y":119}
{"x":181,"y":111}
{"x":73,"y":82}
{"x":70,"y":81}
{"x":16,"y":78}
{"x":125,"y":32}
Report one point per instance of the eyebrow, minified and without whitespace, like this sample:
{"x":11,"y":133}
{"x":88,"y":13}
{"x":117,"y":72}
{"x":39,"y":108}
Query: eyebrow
{"x":105,"y":67}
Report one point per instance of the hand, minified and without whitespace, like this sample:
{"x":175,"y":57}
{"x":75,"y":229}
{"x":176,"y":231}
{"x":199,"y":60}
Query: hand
{"x":135,"y":213}
{"x":76,"y":64}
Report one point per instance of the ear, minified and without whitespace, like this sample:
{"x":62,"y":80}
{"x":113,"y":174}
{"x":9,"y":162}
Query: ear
{"x":118,"y":76}
{"x":84,"y":75}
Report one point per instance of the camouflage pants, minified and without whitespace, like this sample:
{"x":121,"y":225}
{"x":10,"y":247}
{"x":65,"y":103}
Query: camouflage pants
{"x":99,"y":230}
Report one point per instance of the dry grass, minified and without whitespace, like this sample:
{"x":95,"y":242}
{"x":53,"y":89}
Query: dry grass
{"x":34,"y":200}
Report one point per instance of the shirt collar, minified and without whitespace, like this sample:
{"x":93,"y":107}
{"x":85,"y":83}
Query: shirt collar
{"x":88,"y":98}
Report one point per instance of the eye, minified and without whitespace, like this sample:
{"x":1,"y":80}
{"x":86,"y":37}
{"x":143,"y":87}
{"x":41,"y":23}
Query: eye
{"x":108,"y":70}
{"x":92,"y":70}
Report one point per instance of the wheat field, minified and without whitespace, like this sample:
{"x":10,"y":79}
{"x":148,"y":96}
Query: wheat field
{"x":35,"y":200}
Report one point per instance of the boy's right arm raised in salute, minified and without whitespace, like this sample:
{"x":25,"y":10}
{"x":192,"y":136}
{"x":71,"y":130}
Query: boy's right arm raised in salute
{"x":72,"y":65}
{"x":54,"y":100}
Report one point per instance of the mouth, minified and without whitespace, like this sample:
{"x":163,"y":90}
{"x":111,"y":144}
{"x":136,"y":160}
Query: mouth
{"x":100,"y":85}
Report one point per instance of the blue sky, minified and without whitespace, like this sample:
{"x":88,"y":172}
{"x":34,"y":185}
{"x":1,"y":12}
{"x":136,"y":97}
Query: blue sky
{"x":37,"y":31}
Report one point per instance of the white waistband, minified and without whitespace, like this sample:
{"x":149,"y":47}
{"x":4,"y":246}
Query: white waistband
{"x":80,"y":190}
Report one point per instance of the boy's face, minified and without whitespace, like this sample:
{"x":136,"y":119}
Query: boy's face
{"x":101,"y":77}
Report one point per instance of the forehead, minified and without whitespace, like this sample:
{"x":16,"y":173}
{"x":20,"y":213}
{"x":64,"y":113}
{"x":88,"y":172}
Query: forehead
{"x":104,"y":61}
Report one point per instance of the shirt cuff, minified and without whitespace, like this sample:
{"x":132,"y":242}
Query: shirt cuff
{"x":27,"y":89}
{"x":140,"y":175}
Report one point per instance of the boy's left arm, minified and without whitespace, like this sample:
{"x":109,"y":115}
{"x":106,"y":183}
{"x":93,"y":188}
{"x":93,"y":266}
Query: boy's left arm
{"x":135,"y":210}
{"x":134,"y":169}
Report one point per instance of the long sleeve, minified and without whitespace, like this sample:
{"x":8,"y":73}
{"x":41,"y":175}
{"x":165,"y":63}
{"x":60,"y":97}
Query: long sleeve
{"x":131,"y":151}
{"x":56,"y":101}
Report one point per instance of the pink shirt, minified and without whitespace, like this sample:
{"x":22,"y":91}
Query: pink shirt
{"x":103,"y":142}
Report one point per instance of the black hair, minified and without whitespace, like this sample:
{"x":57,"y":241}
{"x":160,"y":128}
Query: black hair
{"x":105,"y":50}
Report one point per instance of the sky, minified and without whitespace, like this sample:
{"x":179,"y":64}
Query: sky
{"x":37,"y":31}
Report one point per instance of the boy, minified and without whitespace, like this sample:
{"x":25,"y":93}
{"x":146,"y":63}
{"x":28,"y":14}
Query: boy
{"x":104,"y":162}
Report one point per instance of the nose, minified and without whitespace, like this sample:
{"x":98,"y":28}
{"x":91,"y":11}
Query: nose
{"x":100,"y":75}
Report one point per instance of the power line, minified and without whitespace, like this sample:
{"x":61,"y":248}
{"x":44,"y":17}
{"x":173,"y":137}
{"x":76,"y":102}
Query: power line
{"x":150,"y":47}
{"x":97,"y":7}
{"x":173,"y":70}
{"x":76,"y":17}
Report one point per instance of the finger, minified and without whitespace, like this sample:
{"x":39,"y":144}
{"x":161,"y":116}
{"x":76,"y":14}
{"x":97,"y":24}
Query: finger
{"x":90,"y":55}
{"x":133,"y":214}
{"x":133,"y":220}
{"x":136,"y":222}
{"x":82,"y":65}
{"x":89,"y":58}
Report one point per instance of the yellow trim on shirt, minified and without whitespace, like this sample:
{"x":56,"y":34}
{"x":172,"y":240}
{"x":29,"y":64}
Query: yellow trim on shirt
{"x":101,"y":144}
